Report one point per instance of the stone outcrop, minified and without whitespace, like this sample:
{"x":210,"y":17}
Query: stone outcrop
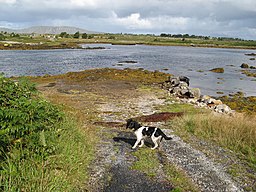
{"x":217,"y":70}
{"x":178,"y":87}
{"x":244,"y":66}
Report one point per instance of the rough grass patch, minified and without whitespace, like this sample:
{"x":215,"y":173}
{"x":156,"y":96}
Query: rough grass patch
{"x":181,"y":182}
{"x":147,"y":161}
{"x":64,"y":170}
{"x":235,"y":133}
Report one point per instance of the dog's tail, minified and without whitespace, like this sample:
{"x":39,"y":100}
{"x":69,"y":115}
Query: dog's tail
{"x":165,"y":136}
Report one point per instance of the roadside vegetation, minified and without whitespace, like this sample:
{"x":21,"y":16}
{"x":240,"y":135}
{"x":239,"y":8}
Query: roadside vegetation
{"x":235,"y":133}
{"x":65,"y":40}
{"x":41,"y":148}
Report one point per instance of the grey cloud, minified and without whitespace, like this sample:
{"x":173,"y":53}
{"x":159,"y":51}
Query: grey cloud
{"x":204,"y":17}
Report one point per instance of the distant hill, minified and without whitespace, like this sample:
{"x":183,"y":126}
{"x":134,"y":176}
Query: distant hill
{"x":48,"y":30}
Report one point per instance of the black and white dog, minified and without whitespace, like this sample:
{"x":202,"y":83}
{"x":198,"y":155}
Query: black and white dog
{"x":142,"y":132}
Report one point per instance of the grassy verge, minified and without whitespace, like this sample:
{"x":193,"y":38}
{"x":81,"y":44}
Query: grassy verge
{"x":65,"y":169}
{"x":149,"y":162}
{"x":41,"y":148}
{"x":235,"y":133}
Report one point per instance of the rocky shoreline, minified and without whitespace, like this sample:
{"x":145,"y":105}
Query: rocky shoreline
{"x":178,"y":87}
{"x":38,"y":46}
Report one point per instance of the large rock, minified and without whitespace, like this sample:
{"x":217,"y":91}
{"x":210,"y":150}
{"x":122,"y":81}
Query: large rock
{"x":184,"y":79}
{"x":222,"y":109}
{"x":179,"y":86}
{"x":174,"y":81}
{"x":244,"y":66}
{"x":217,"y":70}
{"x":195,"y":92}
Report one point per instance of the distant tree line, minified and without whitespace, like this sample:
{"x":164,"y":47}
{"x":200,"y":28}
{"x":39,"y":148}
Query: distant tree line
{"x":199,"y":37}
{"x":4,"y":34}
{"x":2,"y":37}
{"x":76,"y":35}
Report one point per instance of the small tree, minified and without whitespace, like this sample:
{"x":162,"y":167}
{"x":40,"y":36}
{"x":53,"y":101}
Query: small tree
{"x":2,"y":37}
{"x":84,"y":35}
{"x":14,"y":35}
{"x":63,"y":34}
{"x":76,"y":35}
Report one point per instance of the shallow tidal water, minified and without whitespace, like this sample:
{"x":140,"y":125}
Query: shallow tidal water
{"x":192,"y":62}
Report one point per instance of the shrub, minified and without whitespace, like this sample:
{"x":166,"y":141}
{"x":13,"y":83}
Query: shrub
{"x":42,"y":149}
{"x":23,"y":113}
{"x":84,"y":36}
{"x":2,"y":37}
{"x":76,"y":35}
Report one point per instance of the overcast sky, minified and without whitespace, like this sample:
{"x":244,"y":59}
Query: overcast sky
{"x":232,"y":18}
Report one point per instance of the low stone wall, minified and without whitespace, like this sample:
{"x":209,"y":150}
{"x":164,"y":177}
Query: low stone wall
{"x":179,"y":87}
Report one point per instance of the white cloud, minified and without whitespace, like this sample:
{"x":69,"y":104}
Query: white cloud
{"x":83,"y":3}
{"x":133,"y":21}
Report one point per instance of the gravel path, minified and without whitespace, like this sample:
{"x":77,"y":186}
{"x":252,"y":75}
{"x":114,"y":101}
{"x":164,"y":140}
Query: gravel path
{"x":205,"y":173}
{"x":208,"y":175}
{"x":111,"y":170}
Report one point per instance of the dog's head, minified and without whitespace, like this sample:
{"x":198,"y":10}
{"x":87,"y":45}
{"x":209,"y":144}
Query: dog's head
{"x":131,"y":124}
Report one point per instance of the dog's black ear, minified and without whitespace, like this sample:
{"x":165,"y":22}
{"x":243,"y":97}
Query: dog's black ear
{"x":128,"y":124}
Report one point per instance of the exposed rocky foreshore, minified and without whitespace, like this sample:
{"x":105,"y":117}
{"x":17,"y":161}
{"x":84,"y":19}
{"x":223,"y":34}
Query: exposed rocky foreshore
{"x":178,"y":87}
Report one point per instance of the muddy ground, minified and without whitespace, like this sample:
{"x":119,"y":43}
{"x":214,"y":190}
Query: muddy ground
{"x":106,"y":98}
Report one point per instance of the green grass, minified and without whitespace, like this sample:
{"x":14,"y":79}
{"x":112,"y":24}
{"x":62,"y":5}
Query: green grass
{"x":149,"y":163}
{"x":65,"y":169}
{"x":235,"y":133}
{"x":131,"y":39}
{"x":41,"y":149}
{"x":179,"y":179}
{"x":181,"y":107}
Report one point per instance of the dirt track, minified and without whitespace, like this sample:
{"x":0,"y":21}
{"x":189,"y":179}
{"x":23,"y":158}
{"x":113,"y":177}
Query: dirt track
{"x":114,"y":101}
